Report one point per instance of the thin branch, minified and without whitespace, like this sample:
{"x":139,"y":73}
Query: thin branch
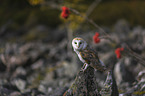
{"x":134,"y":55}
{"x":93,"y":23}
{"x":92,"y":7}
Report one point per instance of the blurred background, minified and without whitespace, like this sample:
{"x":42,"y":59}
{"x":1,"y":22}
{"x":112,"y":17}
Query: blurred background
{"x":36,"y":56}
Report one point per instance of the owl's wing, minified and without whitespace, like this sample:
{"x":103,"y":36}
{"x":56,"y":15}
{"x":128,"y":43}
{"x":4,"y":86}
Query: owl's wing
{"x":91,"y":57}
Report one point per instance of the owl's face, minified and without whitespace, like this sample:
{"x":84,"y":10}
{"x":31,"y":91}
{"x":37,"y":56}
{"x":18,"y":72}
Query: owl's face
{"x":78,"y":44}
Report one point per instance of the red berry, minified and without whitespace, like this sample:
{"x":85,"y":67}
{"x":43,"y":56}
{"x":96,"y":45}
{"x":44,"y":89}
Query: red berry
{"x":96,"y":38}
{"x":118,"y":52}
{"x":65,"y":12}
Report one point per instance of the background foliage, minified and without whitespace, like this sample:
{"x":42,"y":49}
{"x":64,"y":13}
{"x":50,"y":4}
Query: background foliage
{"x":29,"y":13}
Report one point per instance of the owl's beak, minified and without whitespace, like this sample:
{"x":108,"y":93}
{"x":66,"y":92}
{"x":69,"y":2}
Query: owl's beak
{"x":78,"y":45}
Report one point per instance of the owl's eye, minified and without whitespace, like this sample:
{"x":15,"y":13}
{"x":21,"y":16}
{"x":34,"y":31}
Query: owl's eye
{"x":75,"y":42}
{"x":80,"y":42}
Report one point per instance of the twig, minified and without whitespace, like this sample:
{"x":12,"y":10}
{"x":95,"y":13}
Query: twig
{"x":89,"y":11}
{"x":93,"y":23}
{"x":134,"y":55}
{"x":92,"y":7}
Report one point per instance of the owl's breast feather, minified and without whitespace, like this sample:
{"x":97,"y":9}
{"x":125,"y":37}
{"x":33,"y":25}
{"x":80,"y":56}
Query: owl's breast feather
{"x":81,"y":58}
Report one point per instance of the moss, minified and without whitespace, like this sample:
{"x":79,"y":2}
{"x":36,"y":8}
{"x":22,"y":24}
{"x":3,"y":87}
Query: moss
{"x":139,"y":93}
{"x":74,"y":87}
{"x":36,"y":81}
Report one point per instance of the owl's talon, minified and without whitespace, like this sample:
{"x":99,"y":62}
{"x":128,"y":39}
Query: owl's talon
{"x":82,"y":70}
{"x":85,"y":66}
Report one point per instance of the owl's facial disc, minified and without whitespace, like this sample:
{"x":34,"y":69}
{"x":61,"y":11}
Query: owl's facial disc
{"x":78,"y":44}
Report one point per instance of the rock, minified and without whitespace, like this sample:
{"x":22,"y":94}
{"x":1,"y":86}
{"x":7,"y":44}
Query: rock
{"x":59,"y":91}
{"x":4,"y":91}
{"x":141,"y":76}
{"x":14,"y":60}
{"x":2,"y":66}
{"x":67,"y":69}
{"x":84,"y":84}
{"x":37,"y":33}
{"x":37,"y":65}
{"x":7,"y":89}
{"x":122,"y":74}
{"x":138,"y":87}
{"x":20,"y":72}
{"x":49,"y":76}
{"x":122,"y":29}
{"x":19,"y":83}
{"x":141,"y":81}
{"x":15,"y":94}
{"x":43,"y":88}
{"x":109,"y":59}
{"x":110,"y":87}
{"x":33,"y":92}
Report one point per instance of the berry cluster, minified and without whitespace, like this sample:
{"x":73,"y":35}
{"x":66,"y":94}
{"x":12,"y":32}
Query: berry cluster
{"x":118,"y":52}
{"x":65,"y":12}
{"x":96,"y":38}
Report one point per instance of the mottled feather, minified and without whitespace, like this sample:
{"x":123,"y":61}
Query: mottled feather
{"x":87,"y":55}
{"x":91,"y":58}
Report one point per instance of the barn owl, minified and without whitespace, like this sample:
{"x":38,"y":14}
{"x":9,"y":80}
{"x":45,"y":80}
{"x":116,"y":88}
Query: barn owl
{"x":87,"y":55}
